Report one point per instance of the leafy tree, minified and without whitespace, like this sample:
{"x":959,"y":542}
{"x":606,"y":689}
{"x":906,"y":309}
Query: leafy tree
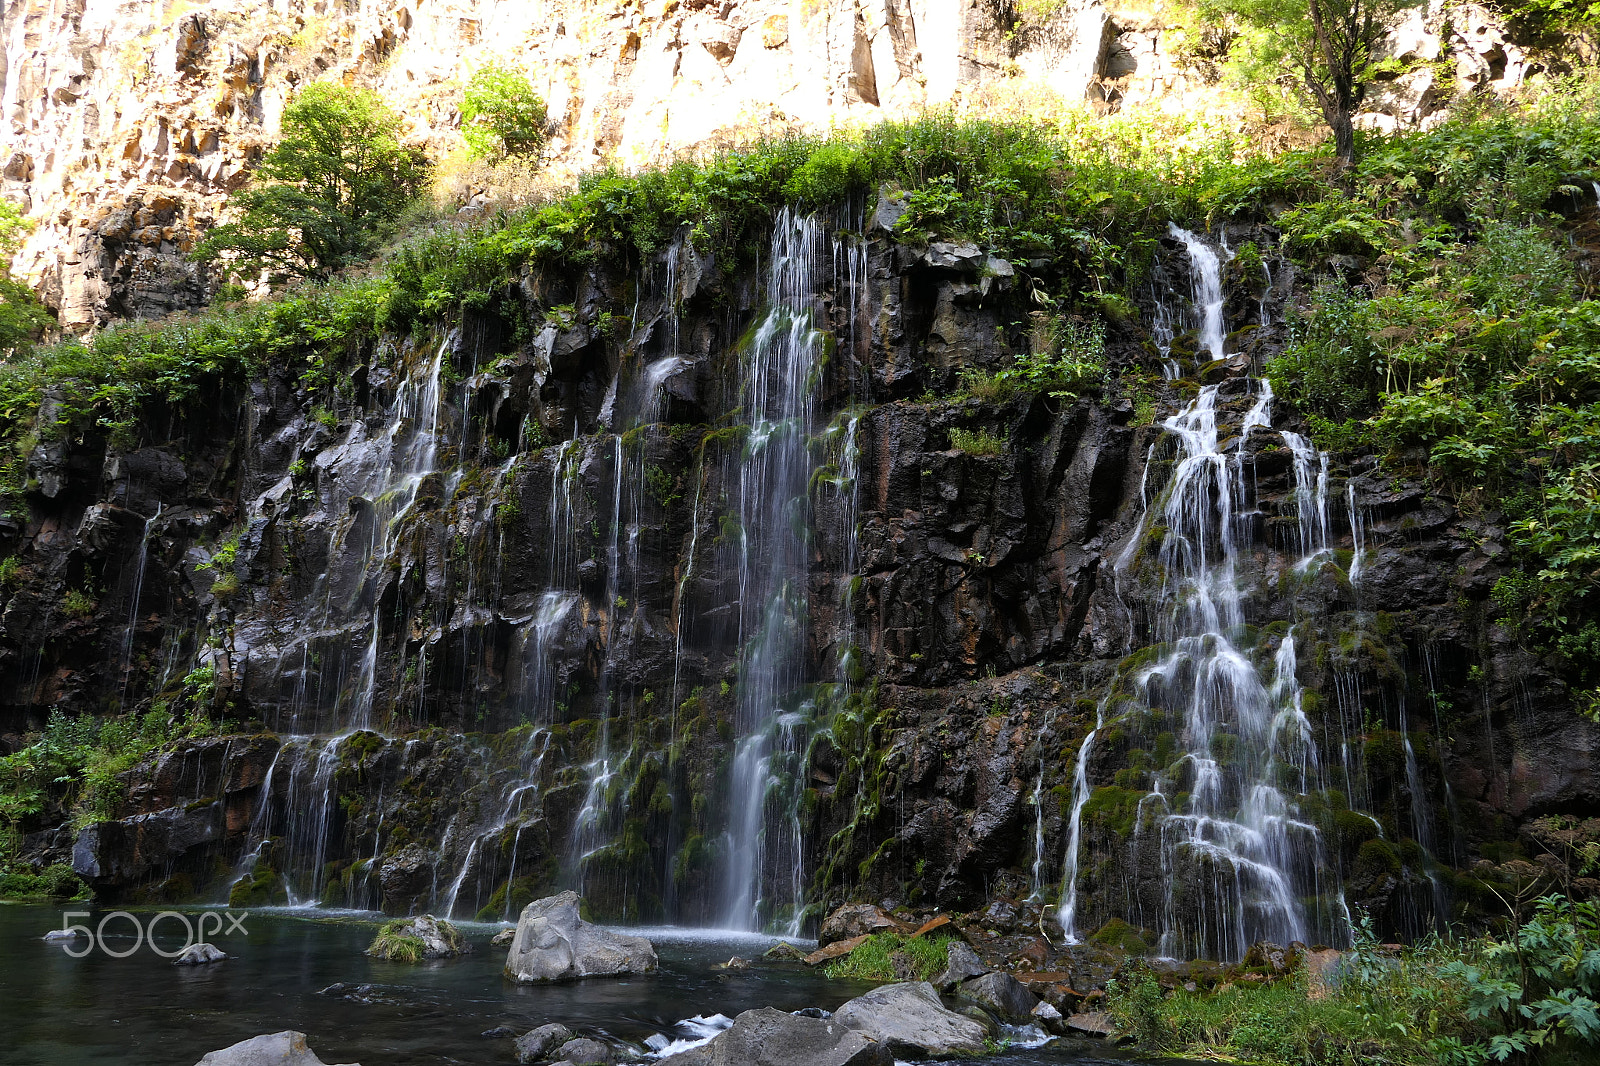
{"x":22,"y":317}
{"x":327,"y":192}
{"x":1327,"y":44}
{"x":501,"y":115}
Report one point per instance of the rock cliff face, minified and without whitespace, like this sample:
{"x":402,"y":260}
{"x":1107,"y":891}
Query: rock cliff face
{"x":490,"y":625}
{"x":127,"y":122}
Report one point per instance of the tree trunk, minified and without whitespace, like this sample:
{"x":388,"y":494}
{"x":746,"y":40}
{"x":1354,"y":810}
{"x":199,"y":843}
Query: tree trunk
{"x":1344,"y":136}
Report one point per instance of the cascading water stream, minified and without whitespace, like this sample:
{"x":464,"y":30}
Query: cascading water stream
{"x":1235,"y":855}
{"x":761,"y":881}
{"x":1205,"y":279}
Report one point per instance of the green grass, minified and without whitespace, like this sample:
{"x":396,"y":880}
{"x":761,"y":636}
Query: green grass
{"x":873,"y":959}
{"x":1525,"y":997}
{"x":977,"y":442}
{"x":394,"y":944}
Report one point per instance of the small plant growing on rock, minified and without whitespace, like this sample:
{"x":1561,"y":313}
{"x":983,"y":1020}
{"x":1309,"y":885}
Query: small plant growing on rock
{"x":977,"y":442}
{"x":396,"y":943}
{"x":78,"y":603}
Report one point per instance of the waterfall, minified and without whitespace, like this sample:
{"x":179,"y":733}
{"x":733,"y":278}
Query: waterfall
{"x":1220,"y":853}
{"x":1205,"y":280}
{"x":130,"y":630}
{"x":761,"y":880}
{"x":1358,"y":530}
{"x":1068,"y":915}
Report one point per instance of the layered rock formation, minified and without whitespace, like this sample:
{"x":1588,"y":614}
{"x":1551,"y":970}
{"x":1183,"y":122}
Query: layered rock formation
{"x":477,"y":625}
{"x":128,"y":123}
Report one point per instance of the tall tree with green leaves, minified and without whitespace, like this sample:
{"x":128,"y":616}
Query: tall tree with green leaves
{"x":327,"y":193}
{"x":1326,"y":44}
{"x":501,"y":116}
{"x":23,"y":319}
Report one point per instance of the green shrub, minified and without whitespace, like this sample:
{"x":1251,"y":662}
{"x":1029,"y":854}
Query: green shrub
{"x":78,"y":603}
{"x":501,"y":115}
{"x":875,"y":959}
{"x":977,"y":442}
{"x":396,"y":944}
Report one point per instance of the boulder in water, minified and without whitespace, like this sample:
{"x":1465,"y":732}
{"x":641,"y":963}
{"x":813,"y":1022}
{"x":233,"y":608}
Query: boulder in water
{"x":1000,"y":994}
{"x":770,"y":1037}
{"x":538,"y":1045}
{"x":783,"y":951}
{"x":415,"y":939}
{"x":554,"y":944}
{"x":201,"y":954}
{"x":503,"y":938}
{"x":586,"y":1052}
{"x":287,"y":1048}
{"x":910,"y":1020}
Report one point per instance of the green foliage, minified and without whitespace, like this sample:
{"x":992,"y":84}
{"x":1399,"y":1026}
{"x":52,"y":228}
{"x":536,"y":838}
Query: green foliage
{"x":327,"y":193}
{"x":892,"y":957}
{"x":1530,"y":996}
{"x":23,"y":319}
{"x":501,"y":115}
{"x":78,"y":603}
{"x":977,"y":442}
{"x":396,"y":943}
{"x":57,"y":882}
{"x":1326,"y":44}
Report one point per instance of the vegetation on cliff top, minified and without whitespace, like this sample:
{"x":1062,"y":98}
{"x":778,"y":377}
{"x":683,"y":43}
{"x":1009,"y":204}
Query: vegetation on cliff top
{"x":1429,"y":244}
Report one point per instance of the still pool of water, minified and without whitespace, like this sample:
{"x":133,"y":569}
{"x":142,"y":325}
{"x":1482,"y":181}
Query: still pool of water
{"x":56,"y":1010}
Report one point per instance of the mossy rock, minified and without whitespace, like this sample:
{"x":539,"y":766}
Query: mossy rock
{"x":1118,"y":935}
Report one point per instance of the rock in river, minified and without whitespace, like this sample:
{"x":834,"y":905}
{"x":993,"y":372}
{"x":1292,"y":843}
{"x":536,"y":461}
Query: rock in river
{"x":554,"y":944}
{"x":287,"y":1048}
{"x":1001,"y":995}
{"x":537,"y":1046}
{"x":769,"y":1037}
{"x":911,"y":1020}
{"x":201,"y":954}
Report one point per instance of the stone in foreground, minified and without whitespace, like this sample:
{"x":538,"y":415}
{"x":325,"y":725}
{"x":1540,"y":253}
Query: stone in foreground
{"x":586,"y":1052}
{"x":1001,"y":995}
{"x":538,"y":1045}
{"x":910,"y":1020}
{"x":554,"y":944}
{"x":287,"y":1048}
{"x":769,"y":1037}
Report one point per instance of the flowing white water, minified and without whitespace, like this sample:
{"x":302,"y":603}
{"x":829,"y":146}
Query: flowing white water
{"x":1235,"y":856}
{"x":1358,"y":534}
{"x":762,"y":867}
{"x":1068,"y":915}
{"x":1205,"y":279}
{"x":131,"y":628}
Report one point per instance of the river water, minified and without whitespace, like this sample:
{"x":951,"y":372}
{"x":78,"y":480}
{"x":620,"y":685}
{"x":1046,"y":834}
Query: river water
{"x":56,"y":1010}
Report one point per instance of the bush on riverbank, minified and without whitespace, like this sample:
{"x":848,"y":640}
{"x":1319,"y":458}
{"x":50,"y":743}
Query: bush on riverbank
{"x":1527,"y":997}
{"x":53,"y":882}
{"x":892,"y":957}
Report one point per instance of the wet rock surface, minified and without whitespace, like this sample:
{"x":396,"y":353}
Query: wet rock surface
{"x":287,"y":1048}
{"x":910,"y":1020}
{"x":975,"y":598}
{"x":768,"y":1037}
{"x":554,"y":944}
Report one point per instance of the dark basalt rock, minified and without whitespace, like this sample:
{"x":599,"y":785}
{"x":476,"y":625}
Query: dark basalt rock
{"x":985,"y":614}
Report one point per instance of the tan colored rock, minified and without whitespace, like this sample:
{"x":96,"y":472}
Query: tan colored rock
{"x":111,"y":102}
